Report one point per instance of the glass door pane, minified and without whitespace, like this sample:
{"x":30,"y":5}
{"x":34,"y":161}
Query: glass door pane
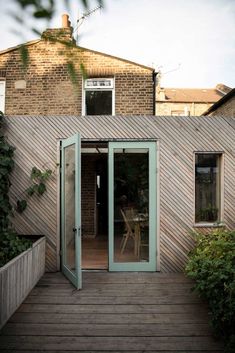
{"x":132,"y":188}
{"x":70,"y":210}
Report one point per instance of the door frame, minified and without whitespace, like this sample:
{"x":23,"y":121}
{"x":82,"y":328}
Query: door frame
{"x":151,"y":265}
{"x":76,"y":276}
{"x":157,"y":193}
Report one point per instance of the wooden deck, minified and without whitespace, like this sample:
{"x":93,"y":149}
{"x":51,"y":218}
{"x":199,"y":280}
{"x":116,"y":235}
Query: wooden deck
{"x":115,"y":312}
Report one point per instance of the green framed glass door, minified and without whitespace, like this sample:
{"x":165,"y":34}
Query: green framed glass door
{"x":71,"y":209}
{"x":132,"y":206}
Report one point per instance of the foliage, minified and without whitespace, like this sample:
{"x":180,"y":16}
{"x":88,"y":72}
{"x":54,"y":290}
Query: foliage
{"x":45,"y":9}
{"x":6,"y":166}
{"x":30,"y":11}
{"x":38,"y":186}
{"x":11,"y":245}
{"x":212,"y":266}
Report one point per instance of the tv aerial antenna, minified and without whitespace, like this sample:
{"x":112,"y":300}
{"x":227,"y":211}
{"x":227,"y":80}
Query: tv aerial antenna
{"x":82,"y":18}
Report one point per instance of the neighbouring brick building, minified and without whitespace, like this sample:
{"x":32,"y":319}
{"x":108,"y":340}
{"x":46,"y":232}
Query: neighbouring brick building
{"x":224,"y":107}
{"x":45,"y":86}
{"x":187,"y":101}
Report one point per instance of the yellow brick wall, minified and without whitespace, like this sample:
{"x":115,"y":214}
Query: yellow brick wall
{"x":195,"y":109}
{"x":49,"y":90}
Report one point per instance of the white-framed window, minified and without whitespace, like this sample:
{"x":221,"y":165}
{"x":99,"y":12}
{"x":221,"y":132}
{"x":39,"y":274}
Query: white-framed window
{"x":208,"y":187}
{"x":99,"y":96}
{"x":2,"y":95}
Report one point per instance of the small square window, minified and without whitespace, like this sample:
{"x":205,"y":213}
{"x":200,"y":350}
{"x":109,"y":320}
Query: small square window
{"x":99,"y":96}
{"x":207,"y":187}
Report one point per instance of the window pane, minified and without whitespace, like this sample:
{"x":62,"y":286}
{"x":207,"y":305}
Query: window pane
{"x":69,"y":206}
{"x":207,"y":187}
{"x":98,"y":102}
{"x":131,"y":205}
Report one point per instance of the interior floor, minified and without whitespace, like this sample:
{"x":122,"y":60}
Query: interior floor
{"x":95,"y":253}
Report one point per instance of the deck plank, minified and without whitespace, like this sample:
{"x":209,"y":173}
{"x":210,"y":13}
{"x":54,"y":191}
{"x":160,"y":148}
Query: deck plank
{"x":108,"y":343}
{"x":122,"y":330}
{"x":114,"y":312}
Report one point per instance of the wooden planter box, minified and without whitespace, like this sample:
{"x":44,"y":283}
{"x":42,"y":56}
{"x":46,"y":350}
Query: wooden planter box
{"x":19,"y":276}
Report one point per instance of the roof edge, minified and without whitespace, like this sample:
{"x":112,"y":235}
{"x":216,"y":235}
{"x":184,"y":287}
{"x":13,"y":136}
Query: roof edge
{"x":221,"y":101}
{"x":35,"y":41}
{"x":117,"y":57}
{"x":8,"y":50}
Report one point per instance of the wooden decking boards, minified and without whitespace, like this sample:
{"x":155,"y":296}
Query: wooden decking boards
{"x":114,"y":312}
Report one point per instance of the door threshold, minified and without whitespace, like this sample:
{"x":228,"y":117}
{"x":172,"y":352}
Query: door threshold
{"x":94,"y":270}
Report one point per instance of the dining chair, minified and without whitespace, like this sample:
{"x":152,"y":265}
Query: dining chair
{"x":128,"y":215}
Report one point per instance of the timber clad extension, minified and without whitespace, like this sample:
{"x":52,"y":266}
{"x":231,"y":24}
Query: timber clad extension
{"x":43,"y":107}
{"x":48,"y":89}
{"x":36,"y":139}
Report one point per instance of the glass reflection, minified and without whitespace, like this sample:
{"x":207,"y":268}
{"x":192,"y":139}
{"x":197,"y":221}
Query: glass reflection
{"x":69,"y":205}
{"x":131,"y":205}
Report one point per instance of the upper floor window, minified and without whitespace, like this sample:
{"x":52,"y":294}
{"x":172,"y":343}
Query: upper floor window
{"x":2,"y":96}
{"x":208,"y":187}
{"x":98,"y":96}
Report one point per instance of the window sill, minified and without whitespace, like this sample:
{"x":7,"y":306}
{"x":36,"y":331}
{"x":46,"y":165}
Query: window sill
{"x":208,"y":225}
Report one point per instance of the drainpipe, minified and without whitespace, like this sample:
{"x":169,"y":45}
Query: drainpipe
{"x":154,"y":91}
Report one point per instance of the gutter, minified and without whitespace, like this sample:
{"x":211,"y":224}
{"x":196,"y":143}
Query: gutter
{"x":154,"y":91}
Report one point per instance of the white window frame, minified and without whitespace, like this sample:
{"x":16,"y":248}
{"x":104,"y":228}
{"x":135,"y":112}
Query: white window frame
{"x":98,"y":87}
{"x":3,"y":83}
{"x":221,"y":199}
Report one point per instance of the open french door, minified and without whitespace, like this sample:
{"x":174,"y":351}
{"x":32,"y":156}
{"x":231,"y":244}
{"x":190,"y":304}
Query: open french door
{"x":132,"y":206}
{"x":71,"y":209}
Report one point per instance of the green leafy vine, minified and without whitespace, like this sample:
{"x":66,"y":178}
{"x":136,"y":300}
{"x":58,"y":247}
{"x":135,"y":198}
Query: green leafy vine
{"x":38,"y":186}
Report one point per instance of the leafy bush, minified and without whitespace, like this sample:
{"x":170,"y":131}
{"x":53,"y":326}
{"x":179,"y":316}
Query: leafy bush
{"x":11,"y":245}
{"x":6,"y":166}
{"x":212,"y":266}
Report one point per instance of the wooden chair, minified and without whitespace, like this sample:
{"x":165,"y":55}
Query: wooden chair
{"x":128,"y":215}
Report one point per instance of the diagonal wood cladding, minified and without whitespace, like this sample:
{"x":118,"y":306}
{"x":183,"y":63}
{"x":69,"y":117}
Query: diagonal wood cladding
{"x":36,"y":141}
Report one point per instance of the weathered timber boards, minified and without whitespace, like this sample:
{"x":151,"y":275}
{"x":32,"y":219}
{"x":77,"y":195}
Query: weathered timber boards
{"x":119,"y":277}
{"x":18,"y":277}
{"x":113,"y":313}
{"x":109,"y":343}
{"x":108,"y":351}
{"x":124,"y":330}
{"x":113,"y":309}
{"x":35,"y":139}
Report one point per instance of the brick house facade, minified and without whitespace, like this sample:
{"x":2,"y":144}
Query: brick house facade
{"x":45,"y":86}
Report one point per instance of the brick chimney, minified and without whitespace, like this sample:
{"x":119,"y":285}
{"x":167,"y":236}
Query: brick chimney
{"x":62,"y":34}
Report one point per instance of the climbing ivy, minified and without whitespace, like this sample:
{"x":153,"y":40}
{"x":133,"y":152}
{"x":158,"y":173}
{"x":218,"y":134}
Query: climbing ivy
{"x":38,"y":186}
{"x":10,"y":244}
{"x":6,"y":166}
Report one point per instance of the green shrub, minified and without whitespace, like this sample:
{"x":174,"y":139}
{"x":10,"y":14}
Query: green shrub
{"x":212,"y":266}
{"x":11,"y":245}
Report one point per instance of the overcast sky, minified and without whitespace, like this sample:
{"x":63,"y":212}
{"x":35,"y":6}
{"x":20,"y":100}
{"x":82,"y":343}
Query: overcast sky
{"x":192,"y":42}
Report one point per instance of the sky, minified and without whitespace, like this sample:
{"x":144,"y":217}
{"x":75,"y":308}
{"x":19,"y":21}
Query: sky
{"x":192,"y":42}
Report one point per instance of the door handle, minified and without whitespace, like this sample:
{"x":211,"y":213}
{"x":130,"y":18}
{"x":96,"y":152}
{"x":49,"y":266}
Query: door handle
{"x":74,"y":230}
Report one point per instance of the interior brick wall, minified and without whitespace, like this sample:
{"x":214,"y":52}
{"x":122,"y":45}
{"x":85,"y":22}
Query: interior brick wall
{"x":88,"y":195}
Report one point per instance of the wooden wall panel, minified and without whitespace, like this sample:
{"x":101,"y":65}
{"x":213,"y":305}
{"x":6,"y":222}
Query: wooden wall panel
{"x":35,"y":139}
